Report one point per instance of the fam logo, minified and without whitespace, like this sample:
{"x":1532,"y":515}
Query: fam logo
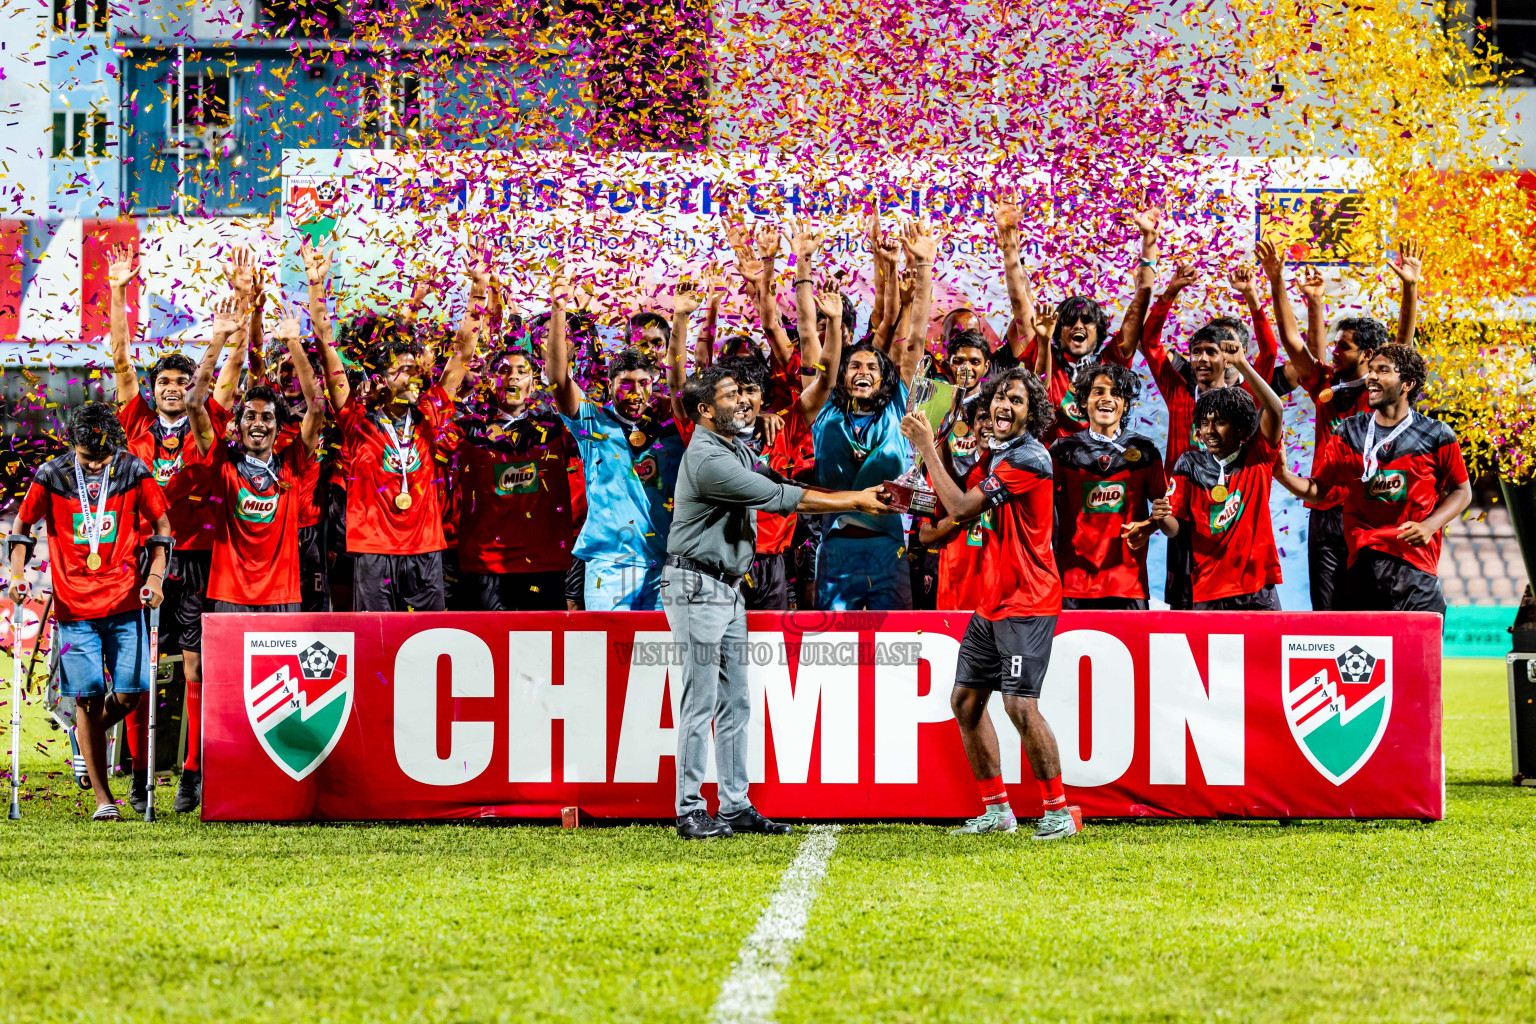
{"x":1338,"y":697}
{"x":1104,"y":496}
{"x":1225,"y":513}
{"x":1388,"y":485}
{"x":256,"y":508}
{"x":298,"y":695}
{"x":394,"y":463}
{"x":517,"y":478}
{"x":313,"y":206}
{"x":108,"y":528}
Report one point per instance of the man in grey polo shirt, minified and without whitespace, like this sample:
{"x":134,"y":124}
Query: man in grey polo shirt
{"x":714,"y":534}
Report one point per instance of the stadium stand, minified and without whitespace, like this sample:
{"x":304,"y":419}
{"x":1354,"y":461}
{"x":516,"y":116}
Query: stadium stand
{"x":1480,"y":563}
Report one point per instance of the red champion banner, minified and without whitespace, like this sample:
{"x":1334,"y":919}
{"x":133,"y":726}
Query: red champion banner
{"x":1162,"y":714}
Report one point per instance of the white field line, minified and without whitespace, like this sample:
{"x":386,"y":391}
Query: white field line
{"x":749,"y":994}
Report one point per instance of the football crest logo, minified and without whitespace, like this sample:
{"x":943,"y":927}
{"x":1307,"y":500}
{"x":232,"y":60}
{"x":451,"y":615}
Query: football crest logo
{"x":1337,"y":693}
{"x":298,"y":695}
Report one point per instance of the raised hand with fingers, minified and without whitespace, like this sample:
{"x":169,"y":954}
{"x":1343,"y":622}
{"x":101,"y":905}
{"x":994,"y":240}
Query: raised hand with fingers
{"x":559,"y":288}
{"x":240,"y":271}
{"x":712,"y":284}
{"x":829,"y":300}
{"x":1045,"y":324}
{"x":287,"y":328}
{"x":1312,"y":284}
{"x":768,"y":238}
{"x":122,"y":266}
{"x":919,"y":242}
{"x":1234,"y":350}
{"x":317,"y":263}
{"x":1409,"y":265}
{"x":1243,"y":282}
{"x":1269,"y":260}
{"x":686,"y":298}
{"x":1148,"y":219}
{"x":806,"y":242}
{"x":227,"y":317}
{"x":1184,"y":275}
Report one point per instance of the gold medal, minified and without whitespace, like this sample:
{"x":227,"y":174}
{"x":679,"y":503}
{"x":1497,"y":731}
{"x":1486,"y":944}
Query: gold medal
{"x":961,"y":429}
{"x":1325,"y":396}
{"x":170,"y":442}
{"x":1133,"y":455}
{"x":637,"y":439}
{"x":402,"y":501}
{"x":93,"y":561}
{"x":1219,"y":493}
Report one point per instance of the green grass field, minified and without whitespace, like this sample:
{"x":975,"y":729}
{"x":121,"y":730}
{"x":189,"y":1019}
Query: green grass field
{"x":1155,"y":922}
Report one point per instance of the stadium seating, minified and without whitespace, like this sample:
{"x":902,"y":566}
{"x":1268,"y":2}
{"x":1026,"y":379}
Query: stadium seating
{"x":1480,"y":562}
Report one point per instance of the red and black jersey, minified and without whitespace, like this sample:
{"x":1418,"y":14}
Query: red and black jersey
{"x":375,"y":521}
{"x":1069,"y":418}
{"x":311,"y":486}
{"x":1099,"y":489}
{"x":1018,"y":567}
{"x":54,"y":499}
{"x":514,"y":497}
{"x":256,"y":539}
{"x":1348,"y":399}
{"x":960,"y":554}
{"x":1176,"y":380}
{"x":1233,"y":537}
{"x":1413,"y":471}
{"x":166,"y":450}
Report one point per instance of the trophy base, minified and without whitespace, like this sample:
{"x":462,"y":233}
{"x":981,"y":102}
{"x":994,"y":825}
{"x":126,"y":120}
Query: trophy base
{"x":913,"y":500}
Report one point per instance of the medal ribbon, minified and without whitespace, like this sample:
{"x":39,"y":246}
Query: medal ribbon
{"x":1372,"y":463}
{"x":1221,"y":467}
{"x":394,"y":439}
{"x":1101,"y":439}
{"x":92,"y":522}
{"x":257,"y":464}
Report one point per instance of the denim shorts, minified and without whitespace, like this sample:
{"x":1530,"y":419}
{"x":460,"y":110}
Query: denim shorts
{"x":114,"y":643}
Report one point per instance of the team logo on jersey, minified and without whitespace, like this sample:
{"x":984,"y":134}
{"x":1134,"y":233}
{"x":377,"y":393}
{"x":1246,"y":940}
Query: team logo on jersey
{"x":108,"y":528}
{"x":1226,"y":513}
{"x":648,"y":468}
{"x":1388,"y":485}
{"x":517,"y":478}
{"x":392,"y":459}
{"x":256,"y":508}
{"x":1070,"y":410}
{"x":976,"y":535}
{"x":1101,"y":496}
{"x":166,"y":468}
{"x":1337,"y":692}
{"x":298,"y":695}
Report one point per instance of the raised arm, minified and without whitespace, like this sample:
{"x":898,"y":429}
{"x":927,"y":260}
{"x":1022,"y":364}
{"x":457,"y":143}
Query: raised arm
{"x":921,"y":247}
{"x":806,"y":243}
{"x":557,"y":357}
{"x":1305,"y":488}
{"x":713,"y":286}
{"x":685,"y":299}
{"x":226,"y":320}
{"x":287,"y":332}
{"x":1410,"y":270}
{"x":1270,"y":412}
{"x":1006,"y":233}
{"x":249,"y":284}
{"x":890,"y":293}
{"x":877,"y":281}
{"x":816,"y":393}
{"x":1312,"y":285}
{"x":1148,"y":220}
{"x":477,"y":266}
{"x":122,"y":267}
{"x":1300,"y":364}
{"x":317,"y":270}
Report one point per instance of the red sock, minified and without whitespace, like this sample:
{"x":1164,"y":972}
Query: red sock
{"x":136,"y":731}
{"x":1051,"y":793}
{"x":992,"y":791}
{"x":194,"y":713}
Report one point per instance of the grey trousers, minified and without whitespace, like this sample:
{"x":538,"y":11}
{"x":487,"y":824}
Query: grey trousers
{"x":711,"y":618}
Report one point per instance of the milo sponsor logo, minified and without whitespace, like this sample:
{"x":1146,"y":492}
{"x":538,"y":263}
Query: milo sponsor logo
{"x":1388,"y":485}
{"x":165,"y":469}
{"x":1100,"y":496}
{"x":1227,"y":513}
{"x":517,"y":478}
{"x":256,"y":508}
{"x":1070,"y":410}
{"x":648,"y":469}
{"x":976,"y":534}
{"x":398,"y":460}
{"x":108,"y":528}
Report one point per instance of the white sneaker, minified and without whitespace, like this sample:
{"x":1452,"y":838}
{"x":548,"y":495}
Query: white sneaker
{"x":1055,"y":825}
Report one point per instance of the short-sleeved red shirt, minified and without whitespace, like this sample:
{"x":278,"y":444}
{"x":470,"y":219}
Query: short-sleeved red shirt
{"x":1234,"y":539}
{"x":375,"y":523}
{"x":1413,"y":471}
{"x":309,"y":490}
{"x":1018,"y":567}
{"x":960,"y":554}
{"x":514,"y":498}
{"x":1099,"y":489}
{"x":256,"y":538}
{"x":1347,"y":400}
{"x":82,"y":593}
{"x":166,"y":450}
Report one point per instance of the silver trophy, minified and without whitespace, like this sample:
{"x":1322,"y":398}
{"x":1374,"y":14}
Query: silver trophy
{"x":935,"y":399}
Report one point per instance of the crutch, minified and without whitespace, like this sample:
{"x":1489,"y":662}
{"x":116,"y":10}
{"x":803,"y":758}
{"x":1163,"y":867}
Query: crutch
{"x":17,"y":668}
{"x":154,"y":698}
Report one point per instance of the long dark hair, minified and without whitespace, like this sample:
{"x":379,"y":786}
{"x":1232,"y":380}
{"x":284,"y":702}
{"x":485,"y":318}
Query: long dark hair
{"x":889,"y":378}
{"x":1041,"y":413}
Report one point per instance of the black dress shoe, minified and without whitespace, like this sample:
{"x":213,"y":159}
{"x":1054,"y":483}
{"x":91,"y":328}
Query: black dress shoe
{"x":138,"y":790}
{"x":750,"y":821}
{"x":699,"y":825}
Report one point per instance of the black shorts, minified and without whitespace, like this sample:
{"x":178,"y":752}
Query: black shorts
{"x":1125,"y":604}
{"x":314,"y":591}
{"x":766,"y":588}
{"x":1179,"y":582}
{"x":576,"y":583}
{"x":1009,"y":654}
{"x":1378,"y":582}
{"x":515,"y":591}
{"x":226,"y":607}
{"x":398,"y":583}
{"x":186,"y":598}
{"x":1327,"y":555}
{"x":1265,"y":600}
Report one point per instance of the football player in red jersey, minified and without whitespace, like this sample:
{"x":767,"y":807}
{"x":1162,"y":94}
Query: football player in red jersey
{"x":159,"y":433}
{"x":91,"y":499}
{"x":1221,"y":493}
{"x":960,"y":545}
{"x":1404,"y":479}
{"x":1105,"y":481}
{"x":1338,"y":389}
{"x":1007,"y":644}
